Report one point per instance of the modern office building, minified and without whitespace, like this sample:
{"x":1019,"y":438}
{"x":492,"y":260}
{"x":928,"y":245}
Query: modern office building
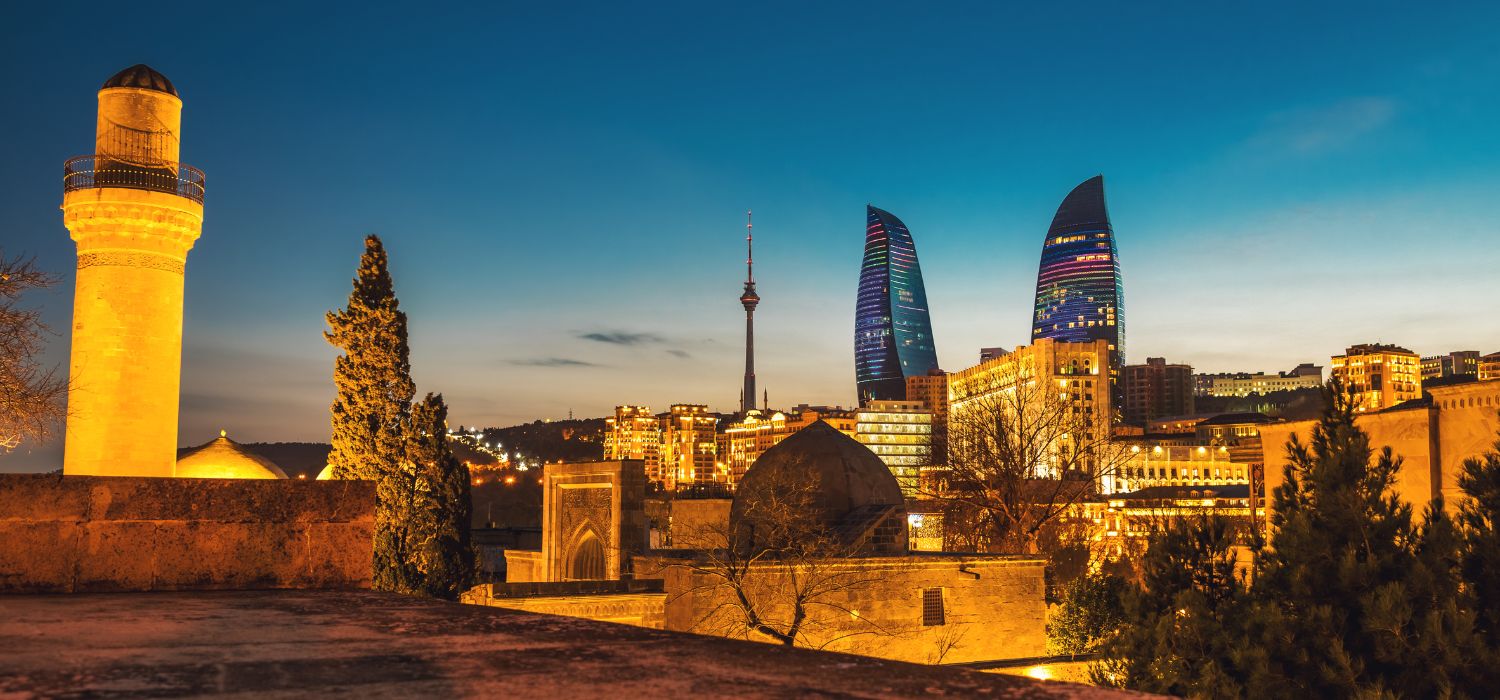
{"x":892,"y":330}
{"x":900,"y":434}
{"x":1381,"y":375}
{"x":1156,"y":390}
{"x":1079,"y":293}
{"x":1460,"y":363}
{"x":1242,"y":384}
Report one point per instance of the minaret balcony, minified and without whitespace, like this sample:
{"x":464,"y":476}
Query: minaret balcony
{"x":99,"y":171}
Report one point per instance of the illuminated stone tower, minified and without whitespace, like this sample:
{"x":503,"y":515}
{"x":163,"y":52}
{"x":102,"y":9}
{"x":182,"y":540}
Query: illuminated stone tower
{"x":134,"y":211}
{"x":749,"y":299}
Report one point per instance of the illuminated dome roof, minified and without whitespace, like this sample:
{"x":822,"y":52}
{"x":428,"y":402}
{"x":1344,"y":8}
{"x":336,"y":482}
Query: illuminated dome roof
{"x":226,"y":459}
{"x":852,"y":491}
{"x":141,"y":76}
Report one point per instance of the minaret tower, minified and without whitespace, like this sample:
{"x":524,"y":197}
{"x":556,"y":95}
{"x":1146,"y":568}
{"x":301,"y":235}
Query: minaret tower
{"x":749,"y":299}
{"x":134,"y":211}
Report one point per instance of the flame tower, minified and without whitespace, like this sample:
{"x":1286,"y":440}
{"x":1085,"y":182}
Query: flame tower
{"x":1079,"y":293}
{"x":892,"y":329}
{"x":749,"y":299}
{"x":134,"y":211}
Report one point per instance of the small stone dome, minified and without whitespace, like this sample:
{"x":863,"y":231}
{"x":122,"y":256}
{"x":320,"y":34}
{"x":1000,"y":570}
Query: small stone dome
{"x":851,"y":493}
{"x":141,"y":76}
{"x":226,"y":459}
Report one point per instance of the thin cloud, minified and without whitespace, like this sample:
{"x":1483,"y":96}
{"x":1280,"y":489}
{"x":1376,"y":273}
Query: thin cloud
{"x":553,"y":362}
{"x":622,"y":338}
{"x":679,"y":353}
{"x":1317,"y":130}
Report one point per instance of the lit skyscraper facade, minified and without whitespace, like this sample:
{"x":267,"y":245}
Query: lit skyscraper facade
{"x":892,"y":330}
{"x":1079,"y":295}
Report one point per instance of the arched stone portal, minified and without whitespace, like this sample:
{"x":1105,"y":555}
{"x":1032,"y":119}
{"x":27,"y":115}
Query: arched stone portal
{"x":586,"y":562}
{"x":592,"y":523}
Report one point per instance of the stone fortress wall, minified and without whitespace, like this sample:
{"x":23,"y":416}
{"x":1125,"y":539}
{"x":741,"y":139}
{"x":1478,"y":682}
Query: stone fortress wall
{"x":90,"y":533}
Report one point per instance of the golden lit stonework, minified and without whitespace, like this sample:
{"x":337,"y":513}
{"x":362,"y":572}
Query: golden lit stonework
{"x":134,"y":212}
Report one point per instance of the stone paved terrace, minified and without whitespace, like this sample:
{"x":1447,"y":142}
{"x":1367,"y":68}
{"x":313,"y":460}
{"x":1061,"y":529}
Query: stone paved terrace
{"x":375,"y":645}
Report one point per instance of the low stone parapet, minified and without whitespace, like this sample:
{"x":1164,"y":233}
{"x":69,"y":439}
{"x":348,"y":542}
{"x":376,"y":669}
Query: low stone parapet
{"x":91,"y":533}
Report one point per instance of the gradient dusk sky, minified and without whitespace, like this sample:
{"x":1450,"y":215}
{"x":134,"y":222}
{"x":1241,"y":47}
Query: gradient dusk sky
{"x":562,"y":187}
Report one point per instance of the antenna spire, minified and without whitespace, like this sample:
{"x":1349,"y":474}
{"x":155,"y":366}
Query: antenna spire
{"x":749,"y":247}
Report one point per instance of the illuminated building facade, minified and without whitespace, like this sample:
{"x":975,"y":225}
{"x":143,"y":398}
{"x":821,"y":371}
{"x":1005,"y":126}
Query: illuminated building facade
{"x":931,"y":389}
{"x":135,"y":212}
{"x":1242,"y":384}
{"x":743,"y":442}
{"x":1079,"y":293}
{"x":1079,"y":371}
{"x":634,"y":432}
{"x":1489,"y":367}
{"x":1381,"y":376}
{"x":892,"y":329}
{"x":1156,"y":390}
{"x":1121,"y":525}
{"x":689,"y":446}
{"x":1176,"y":465}
{"x":1462,"y":363}
{"x":900,"y":434}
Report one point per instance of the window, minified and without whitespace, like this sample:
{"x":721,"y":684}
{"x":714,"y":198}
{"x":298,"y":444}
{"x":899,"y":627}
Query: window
{"x":932,"y":607}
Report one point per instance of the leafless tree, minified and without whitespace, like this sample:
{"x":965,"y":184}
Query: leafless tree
{"x":31,"y":395}
{"x":782,"y":574}
{"x":1020,"y":457}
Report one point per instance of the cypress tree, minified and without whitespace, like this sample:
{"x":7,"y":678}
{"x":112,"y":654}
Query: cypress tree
{"x":444,"y":509}
{"x":372,"y":408}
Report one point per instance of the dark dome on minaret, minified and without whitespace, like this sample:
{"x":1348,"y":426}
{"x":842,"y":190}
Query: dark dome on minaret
{"x":141,"y":76}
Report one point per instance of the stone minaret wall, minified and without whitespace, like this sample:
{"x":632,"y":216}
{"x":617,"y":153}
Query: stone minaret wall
{"x":126,"y":365}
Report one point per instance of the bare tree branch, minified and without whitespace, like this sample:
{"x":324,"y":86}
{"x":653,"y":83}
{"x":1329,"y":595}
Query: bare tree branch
{"x":31,"y":396}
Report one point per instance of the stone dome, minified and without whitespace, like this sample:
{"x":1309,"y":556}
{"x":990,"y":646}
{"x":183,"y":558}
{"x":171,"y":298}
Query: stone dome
{"x":141,"y":76}
{"x":226,"y":459}
{"x":852,"y":491}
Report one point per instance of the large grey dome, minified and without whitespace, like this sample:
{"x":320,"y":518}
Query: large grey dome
{"x":848,"y":492}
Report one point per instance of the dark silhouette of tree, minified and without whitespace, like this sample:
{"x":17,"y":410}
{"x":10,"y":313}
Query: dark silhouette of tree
{"x":1090,"y":611}
{"x":1352,"y":598}
{"x":31,"y":396}
{"x":1479,"y":525}
{"x":441,"y":532}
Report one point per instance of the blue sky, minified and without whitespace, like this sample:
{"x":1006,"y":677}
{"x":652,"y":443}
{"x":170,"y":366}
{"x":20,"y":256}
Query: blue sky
{"x":1283,"y":180}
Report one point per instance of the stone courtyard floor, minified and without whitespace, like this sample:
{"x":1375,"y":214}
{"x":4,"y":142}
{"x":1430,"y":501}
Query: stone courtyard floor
{"x":372,"y":645}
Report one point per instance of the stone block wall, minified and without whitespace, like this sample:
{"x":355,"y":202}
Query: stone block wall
{"x":994,"y":606}
{"x":89,"y":533}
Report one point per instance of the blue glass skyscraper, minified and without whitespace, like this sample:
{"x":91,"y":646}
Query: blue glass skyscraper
{"x":1079,"y":294}
{"x":892,"y":330}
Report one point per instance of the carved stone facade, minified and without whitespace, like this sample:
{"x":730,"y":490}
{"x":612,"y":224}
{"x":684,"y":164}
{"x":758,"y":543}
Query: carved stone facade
{"x":593,"y":522}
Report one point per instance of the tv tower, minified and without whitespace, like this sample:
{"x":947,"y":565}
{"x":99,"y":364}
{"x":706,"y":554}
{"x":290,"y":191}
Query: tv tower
{"x":749,"y":299}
